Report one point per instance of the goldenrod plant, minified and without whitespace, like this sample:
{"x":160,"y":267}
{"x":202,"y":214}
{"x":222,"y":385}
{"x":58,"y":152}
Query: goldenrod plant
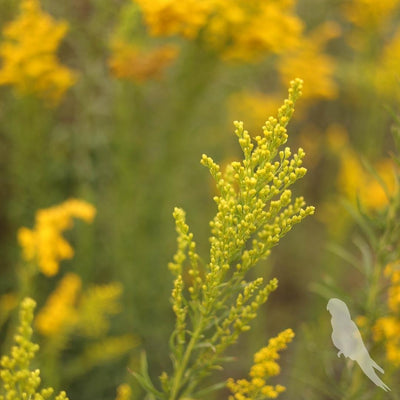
{"x":214,"y":302}
{"x":19,"y":379}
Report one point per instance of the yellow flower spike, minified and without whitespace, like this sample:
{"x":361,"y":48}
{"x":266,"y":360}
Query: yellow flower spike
{"x":19,"y":380}
{"x":264,"y":367}
{"x":29,"y":62}
{"x":44,"y":244}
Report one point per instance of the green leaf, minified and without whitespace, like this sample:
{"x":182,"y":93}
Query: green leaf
{"x":144,"y":379}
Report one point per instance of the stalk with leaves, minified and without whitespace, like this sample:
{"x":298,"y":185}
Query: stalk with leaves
{"x":214,"y":302}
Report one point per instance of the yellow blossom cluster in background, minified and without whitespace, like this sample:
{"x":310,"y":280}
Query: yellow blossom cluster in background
{"x":369,"y":13}
{"x":59,"y":310}
{"x":387,"y":329}
{"x":354,"y":180}
{"x":168,"y":17}
{"x":124,"y":392}
{"x":252,"y":107}
{"x":242,"y":30}
{"x":265,"y":366}
{"x":44,"y":243}
{"x":28,"y":53}
{"x":129,"y":62}
{"x":67,"y":308}
{"x":297,"y":61}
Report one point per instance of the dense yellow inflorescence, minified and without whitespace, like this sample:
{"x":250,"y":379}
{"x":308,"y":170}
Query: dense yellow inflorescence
{"x":242,"y":30}
{"x":28,"y":53}
{"x":129,"y":62}
{"x":265,"y":366}
{"x":19,"y":381}
{"x":44,"y":244}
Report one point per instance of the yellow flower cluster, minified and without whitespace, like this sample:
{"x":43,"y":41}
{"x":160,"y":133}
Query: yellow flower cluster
{"x":19,"y":381}
{"x":97,"y":303}
{"x":387,"y":328}
{"x":128,"y":62}
{"x":354,"y":181}
{"x":253,"y":106}
{"x":124,"y":392}
{"x":369,"y":13}
{"x":69,"y":309}
{"x":29,"y":62}
{"x":169,"y":17}
{"x":264,"y":367}
{"x":44,"y":243}
{"x":59,"y":311}
{"x":242,"y":30}
{"x":297,"y":62}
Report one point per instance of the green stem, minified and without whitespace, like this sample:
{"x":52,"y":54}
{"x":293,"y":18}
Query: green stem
{"x":177,"y":382}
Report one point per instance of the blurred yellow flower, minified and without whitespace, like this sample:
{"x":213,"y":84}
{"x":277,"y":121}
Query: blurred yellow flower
{"x":170,"y":17}
{"x":265,"y":366}
{"x":387,"y":71}
{"x":124,"y":392}
{"x":29,"y":62}
{"x":241,"y":30}
{"x":59,"y":312}
{"x":369,"y":13}
{"x":97,"y":303}
{"x":253,"y":107}
{"x":246,"y":31}
{"x":319,"y":78}
{"x":44,"y":243}
{"x":128,"y":62}
{"x":354,"y":181}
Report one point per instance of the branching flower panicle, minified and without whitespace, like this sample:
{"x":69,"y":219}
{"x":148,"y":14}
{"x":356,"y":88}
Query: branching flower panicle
{"x":214,"y":303}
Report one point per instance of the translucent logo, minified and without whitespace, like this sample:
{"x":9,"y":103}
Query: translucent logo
{"x":347,"y":339}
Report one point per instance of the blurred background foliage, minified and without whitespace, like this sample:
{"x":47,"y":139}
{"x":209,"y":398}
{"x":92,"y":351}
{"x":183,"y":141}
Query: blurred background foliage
{"x":114,"y":103}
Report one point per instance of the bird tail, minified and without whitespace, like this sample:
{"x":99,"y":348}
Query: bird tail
{"x":376,"y":366}
{"x":368,"y":369}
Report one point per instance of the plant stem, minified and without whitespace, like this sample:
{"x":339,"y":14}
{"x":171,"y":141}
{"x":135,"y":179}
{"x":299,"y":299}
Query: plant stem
{"x":177,"y":382}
